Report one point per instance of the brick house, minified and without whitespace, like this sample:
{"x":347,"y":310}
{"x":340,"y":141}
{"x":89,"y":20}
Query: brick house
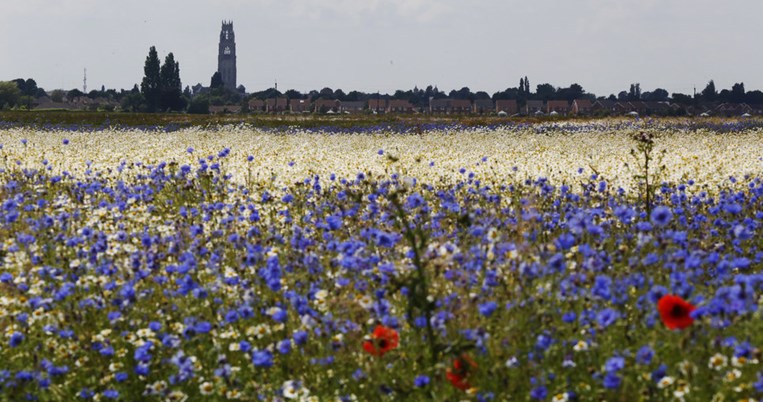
{"x":508,"y":106}
{"x":256,"y":105}
{"x":533,"y":107}
{"x":559,"y":106}
{"x":639,"y":107}
{"x":732,"y":109}
{"x":603,"y":106}
{"x":581,"y":106}
{"x":299,"y":105}
{"x":326,"y":105}
{"x":459,"y":106}
{"x":377,"y":105}
{"x":482,"y":106}
{"x":276,"y":105}
{"x":438,"y":105}
{"x":352,"y":106}
{"x":399,"y":106}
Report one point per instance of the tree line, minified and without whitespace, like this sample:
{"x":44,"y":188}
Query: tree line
{"x":161,"y":90}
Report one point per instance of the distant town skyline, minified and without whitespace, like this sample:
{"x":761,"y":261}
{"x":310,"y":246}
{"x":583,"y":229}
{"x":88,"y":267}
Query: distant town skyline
{"x":384,"y":45}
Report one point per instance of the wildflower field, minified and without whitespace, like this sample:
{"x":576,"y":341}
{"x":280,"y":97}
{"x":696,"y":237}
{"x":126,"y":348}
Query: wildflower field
{"x":610,"y":260}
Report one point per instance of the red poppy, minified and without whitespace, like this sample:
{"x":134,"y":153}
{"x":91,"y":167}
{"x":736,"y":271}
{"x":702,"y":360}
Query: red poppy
{"x":461,"y":368}
{"x":675,"y":312}
{"x":383,"y":339}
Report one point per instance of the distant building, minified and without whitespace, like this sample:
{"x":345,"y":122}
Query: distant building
{"x":377,"y":105}
{"x":603,"y":106}
{"x":534,"y":107}
{"x":256,"y":105}
{"x":276,"y":105}
{"x":438,"y":105}
{"x":508,"y":106}
{"x":399,"y":106}
{"x":581,"y":106}
{"x":326,"y":106}
{"x":559,"y":106}
{"x":299,"y":105}
{"x":482,"y":106}
{"x":352,"y":106}
{"x":226,"y":56}
{"x":460,"y":106}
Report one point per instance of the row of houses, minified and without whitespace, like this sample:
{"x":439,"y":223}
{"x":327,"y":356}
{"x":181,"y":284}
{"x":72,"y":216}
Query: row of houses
{"x":507,"y":107}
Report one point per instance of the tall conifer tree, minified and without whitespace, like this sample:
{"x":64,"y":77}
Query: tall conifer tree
{"x":151,"y":85}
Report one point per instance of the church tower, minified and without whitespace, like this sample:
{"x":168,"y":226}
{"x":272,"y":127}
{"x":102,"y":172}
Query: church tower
{"x":226,"y":56}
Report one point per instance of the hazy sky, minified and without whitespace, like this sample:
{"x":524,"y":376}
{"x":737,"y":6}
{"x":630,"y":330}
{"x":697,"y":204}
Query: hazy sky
{"x":383,"y":45}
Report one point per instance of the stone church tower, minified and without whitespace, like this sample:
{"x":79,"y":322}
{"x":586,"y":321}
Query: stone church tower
{"x":226,"y":56}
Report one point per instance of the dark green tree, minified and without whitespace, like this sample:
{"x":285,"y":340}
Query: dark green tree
{"x":293,"y":94}
{"x":9,"y":94}
{"x":217,"y":81}
{"x":74,"y":93}
{"x":57,"y":95}
{"x":133,"y":102}
{"x":709,"y":94}
{"x":754,"y":97}
{"x":199,"y":105}
{"x":170,"y":87}
{"x":634,"y":93}
{"x":544,"y":91}
{"x":151,"y":86}
{"x":682,"y":99}
{"x":658,"y":95}
{"x":738,"y":93}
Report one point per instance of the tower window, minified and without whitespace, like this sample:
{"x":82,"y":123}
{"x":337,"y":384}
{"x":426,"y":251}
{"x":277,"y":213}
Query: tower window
{"x":226,"y":50}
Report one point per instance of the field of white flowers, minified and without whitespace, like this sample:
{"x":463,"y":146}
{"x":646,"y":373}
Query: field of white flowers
{"x":549,"y":262}
{"x":493,"y":154}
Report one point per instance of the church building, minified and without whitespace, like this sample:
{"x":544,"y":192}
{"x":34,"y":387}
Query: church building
{"x":226,"y":56}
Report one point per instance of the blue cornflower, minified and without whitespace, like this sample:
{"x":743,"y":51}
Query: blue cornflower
{"x":278,"y":314}
{"x":245,"y":346}
{"x":661,"y":216}
{"x":284,"y":347}
{"x":759,"y":384}
{"x":607,"y":317}
{"x":262,"y":358}
{"x":414,"y":200}
{"x":111,"y":394}
{"x":645,"y":355}
{"x":66,"y":141}
{"x":569,"y":317}
{"x":16,"y":339}
{"x":421,"y":381}
{"x":540,"y":393}
{"x":614,"y":364}
{"x":612,"y":381}
{"x":487,"y":308}
{"x":380,"y":152}
{"x":300,"y":337}
{"x":334,"y":222}
{"x":202,"y":327}
{"x":543,"y":342}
